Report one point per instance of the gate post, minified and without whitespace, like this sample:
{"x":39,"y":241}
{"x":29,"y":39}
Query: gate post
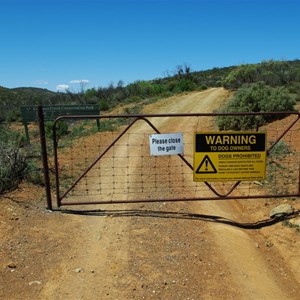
{"x":44,"y":156}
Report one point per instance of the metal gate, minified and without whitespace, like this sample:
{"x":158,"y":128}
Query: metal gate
{"x":114,"y":165}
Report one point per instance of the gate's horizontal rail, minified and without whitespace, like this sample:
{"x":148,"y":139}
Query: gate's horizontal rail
{"x":287,"y":113}
{"x":182,"y":199}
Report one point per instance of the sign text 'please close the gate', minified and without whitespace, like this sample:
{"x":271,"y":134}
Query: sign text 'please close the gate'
{"x":166,"y":144}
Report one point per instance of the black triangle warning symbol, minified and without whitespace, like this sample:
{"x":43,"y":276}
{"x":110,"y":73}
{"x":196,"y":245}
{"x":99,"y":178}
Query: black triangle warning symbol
{"x":206,"y":166}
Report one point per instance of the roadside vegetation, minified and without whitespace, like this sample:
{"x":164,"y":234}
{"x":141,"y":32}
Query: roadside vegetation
{"x":267,"y":86}
{"x":17,"y":162}
{"x":255,"y":97}
{"x":272,"y":86}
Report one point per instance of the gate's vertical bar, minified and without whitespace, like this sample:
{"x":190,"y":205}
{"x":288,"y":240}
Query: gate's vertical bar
{"x":27,"y":133}
{"x":44,"y":156}
{"x":98,"y":125}
{"x":299,"y":182}
{"x":58,"y":200}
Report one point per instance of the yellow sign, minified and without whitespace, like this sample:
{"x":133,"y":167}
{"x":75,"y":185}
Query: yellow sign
{"x":229,"y":156}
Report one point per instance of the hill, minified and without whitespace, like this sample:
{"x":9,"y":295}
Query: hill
{"x":272,"y":73}
{"x":12,"y":99}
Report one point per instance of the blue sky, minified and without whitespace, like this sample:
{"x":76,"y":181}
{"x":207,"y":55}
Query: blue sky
{"x":53,"y":44}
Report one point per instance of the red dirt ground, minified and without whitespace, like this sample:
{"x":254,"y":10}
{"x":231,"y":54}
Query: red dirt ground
{"x":207,"y":250}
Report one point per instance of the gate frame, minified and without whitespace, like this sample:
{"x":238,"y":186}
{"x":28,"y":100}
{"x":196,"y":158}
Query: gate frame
{"x":144,"y":117}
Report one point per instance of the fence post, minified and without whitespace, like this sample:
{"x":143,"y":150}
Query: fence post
{"x":44,"y":157}
{"x":27,"y":133}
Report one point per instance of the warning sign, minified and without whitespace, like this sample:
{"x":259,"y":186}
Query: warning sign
{"x":206,"y":166}
{"x":229,"y":156}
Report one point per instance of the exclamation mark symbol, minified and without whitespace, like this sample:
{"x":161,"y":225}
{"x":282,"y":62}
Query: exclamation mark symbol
{"x":206,"y":163}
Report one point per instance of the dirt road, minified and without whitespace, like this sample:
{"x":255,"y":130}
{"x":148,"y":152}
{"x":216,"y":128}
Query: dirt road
{"x":207,"y":250}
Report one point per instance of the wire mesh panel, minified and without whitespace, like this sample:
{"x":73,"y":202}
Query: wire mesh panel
{"x":114,"y":165}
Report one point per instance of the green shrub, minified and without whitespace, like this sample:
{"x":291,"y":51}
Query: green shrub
{"x":256,"y":97}
{"x":280,"y":149}
{"x":184,"y":85}
{"x":61,"y":129}
{"x":104,"y":106}
{"x":13,"y":116}
{"x":34,"y":173}
{"x":277,"y":169}
{"x":203,"y":87}
{"x":12,"y":166}
{"x":8,"y":136}
{"x":273,"y":73}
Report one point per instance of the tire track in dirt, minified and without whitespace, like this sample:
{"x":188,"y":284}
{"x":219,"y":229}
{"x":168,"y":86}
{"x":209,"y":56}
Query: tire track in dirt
{"x":169,"y":250}
{"x":247,"y":269}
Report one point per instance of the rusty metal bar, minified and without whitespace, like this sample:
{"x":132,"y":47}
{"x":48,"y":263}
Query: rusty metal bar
{"x":56,"y":163}
{"x":180,"y":115}
{"x":222,"y":195}
{"x":183,"y":199}
{"x":283,"y":134}
{"x":44,"y":157}
{"x":299,"y":182}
